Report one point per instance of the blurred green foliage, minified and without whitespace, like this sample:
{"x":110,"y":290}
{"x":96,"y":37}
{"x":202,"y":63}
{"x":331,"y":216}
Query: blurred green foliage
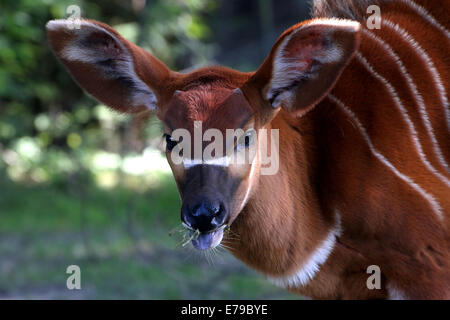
{"x":48,"y":127}
{"x":82,"y":185}
{"x":119,"y":239}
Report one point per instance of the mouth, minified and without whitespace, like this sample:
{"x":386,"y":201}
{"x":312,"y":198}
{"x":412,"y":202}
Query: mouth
{"x":207,"y":240}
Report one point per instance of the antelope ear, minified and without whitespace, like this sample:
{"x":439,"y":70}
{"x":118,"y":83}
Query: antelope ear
{"x":305,"y":63}
{"x":116,"y":72}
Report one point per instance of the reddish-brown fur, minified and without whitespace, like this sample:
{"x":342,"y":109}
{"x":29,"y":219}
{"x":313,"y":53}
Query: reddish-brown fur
{"x":326,"y":166}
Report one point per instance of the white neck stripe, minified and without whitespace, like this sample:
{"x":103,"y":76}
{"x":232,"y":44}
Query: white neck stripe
{"x":427,"y":16}
{"x":310,"y":268}
{"x":405,"y":116}
{"x":427,"y":61}
{"x":418,"y":97}
{"x":435,"y":206}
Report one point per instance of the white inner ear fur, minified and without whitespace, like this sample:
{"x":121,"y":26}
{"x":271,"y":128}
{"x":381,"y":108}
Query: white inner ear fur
{"x":285,"y":69}
{"x":140,"y":94}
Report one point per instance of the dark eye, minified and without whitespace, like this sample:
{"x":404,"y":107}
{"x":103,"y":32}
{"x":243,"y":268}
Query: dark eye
{"x":246,"y":140}
{"x":170,"y":144}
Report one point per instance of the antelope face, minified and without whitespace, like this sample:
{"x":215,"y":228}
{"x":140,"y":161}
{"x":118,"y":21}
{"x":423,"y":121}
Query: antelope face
{"x":212,"y":148}
{"x":202,"y":107}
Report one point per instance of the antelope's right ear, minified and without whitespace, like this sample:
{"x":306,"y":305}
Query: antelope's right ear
{"x":116,"y":72}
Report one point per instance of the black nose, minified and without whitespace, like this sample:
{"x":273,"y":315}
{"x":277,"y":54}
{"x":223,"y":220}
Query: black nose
{"x":203,"y":215}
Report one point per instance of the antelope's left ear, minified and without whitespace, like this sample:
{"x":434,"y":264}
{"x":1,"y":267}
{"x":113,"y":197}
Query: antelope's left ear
{"x":305,"y":63}
{"x":115,"y":71}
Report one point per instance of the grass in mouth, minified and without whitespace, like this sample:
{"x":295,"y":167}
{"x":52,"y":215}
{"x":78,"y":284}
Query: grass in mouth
{"x":194,"y":236}
{"x":186,"y":236}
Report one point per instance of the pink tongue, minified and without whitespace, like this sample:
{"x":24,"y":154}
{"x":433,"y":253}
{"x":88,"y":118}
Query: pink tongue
{"x":203,"y":241}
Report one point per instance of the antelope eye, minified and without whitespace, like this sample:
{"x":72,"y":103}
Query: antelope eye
{"x":246,"y":140}
{"x":170,"y":144}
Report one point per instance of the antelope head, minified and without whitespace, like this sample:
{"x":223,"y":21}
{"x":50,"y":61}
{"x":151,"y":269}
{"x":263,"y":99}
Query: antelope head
{"x":211,"y":106}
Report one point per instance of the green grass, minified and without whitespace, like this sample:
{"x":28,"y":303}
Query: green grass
{"x":119,"y":238}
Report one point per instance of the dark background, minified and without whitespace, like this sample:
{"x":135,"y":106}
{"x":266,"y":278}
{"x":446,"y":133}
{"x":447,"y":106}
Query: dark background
{"x":82,"y":185}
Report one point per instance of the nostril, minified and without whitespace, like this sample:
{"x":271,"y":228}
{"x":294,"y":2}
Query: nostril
{"x":217,"y":210}
{"x":196,"y":210}
{"x":204,"y":215}
{"x":207,"y":209}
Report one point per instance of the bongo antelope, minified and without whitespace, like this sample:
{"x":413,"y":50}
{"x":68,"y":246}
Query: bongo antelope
{"x":364,"y":144}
